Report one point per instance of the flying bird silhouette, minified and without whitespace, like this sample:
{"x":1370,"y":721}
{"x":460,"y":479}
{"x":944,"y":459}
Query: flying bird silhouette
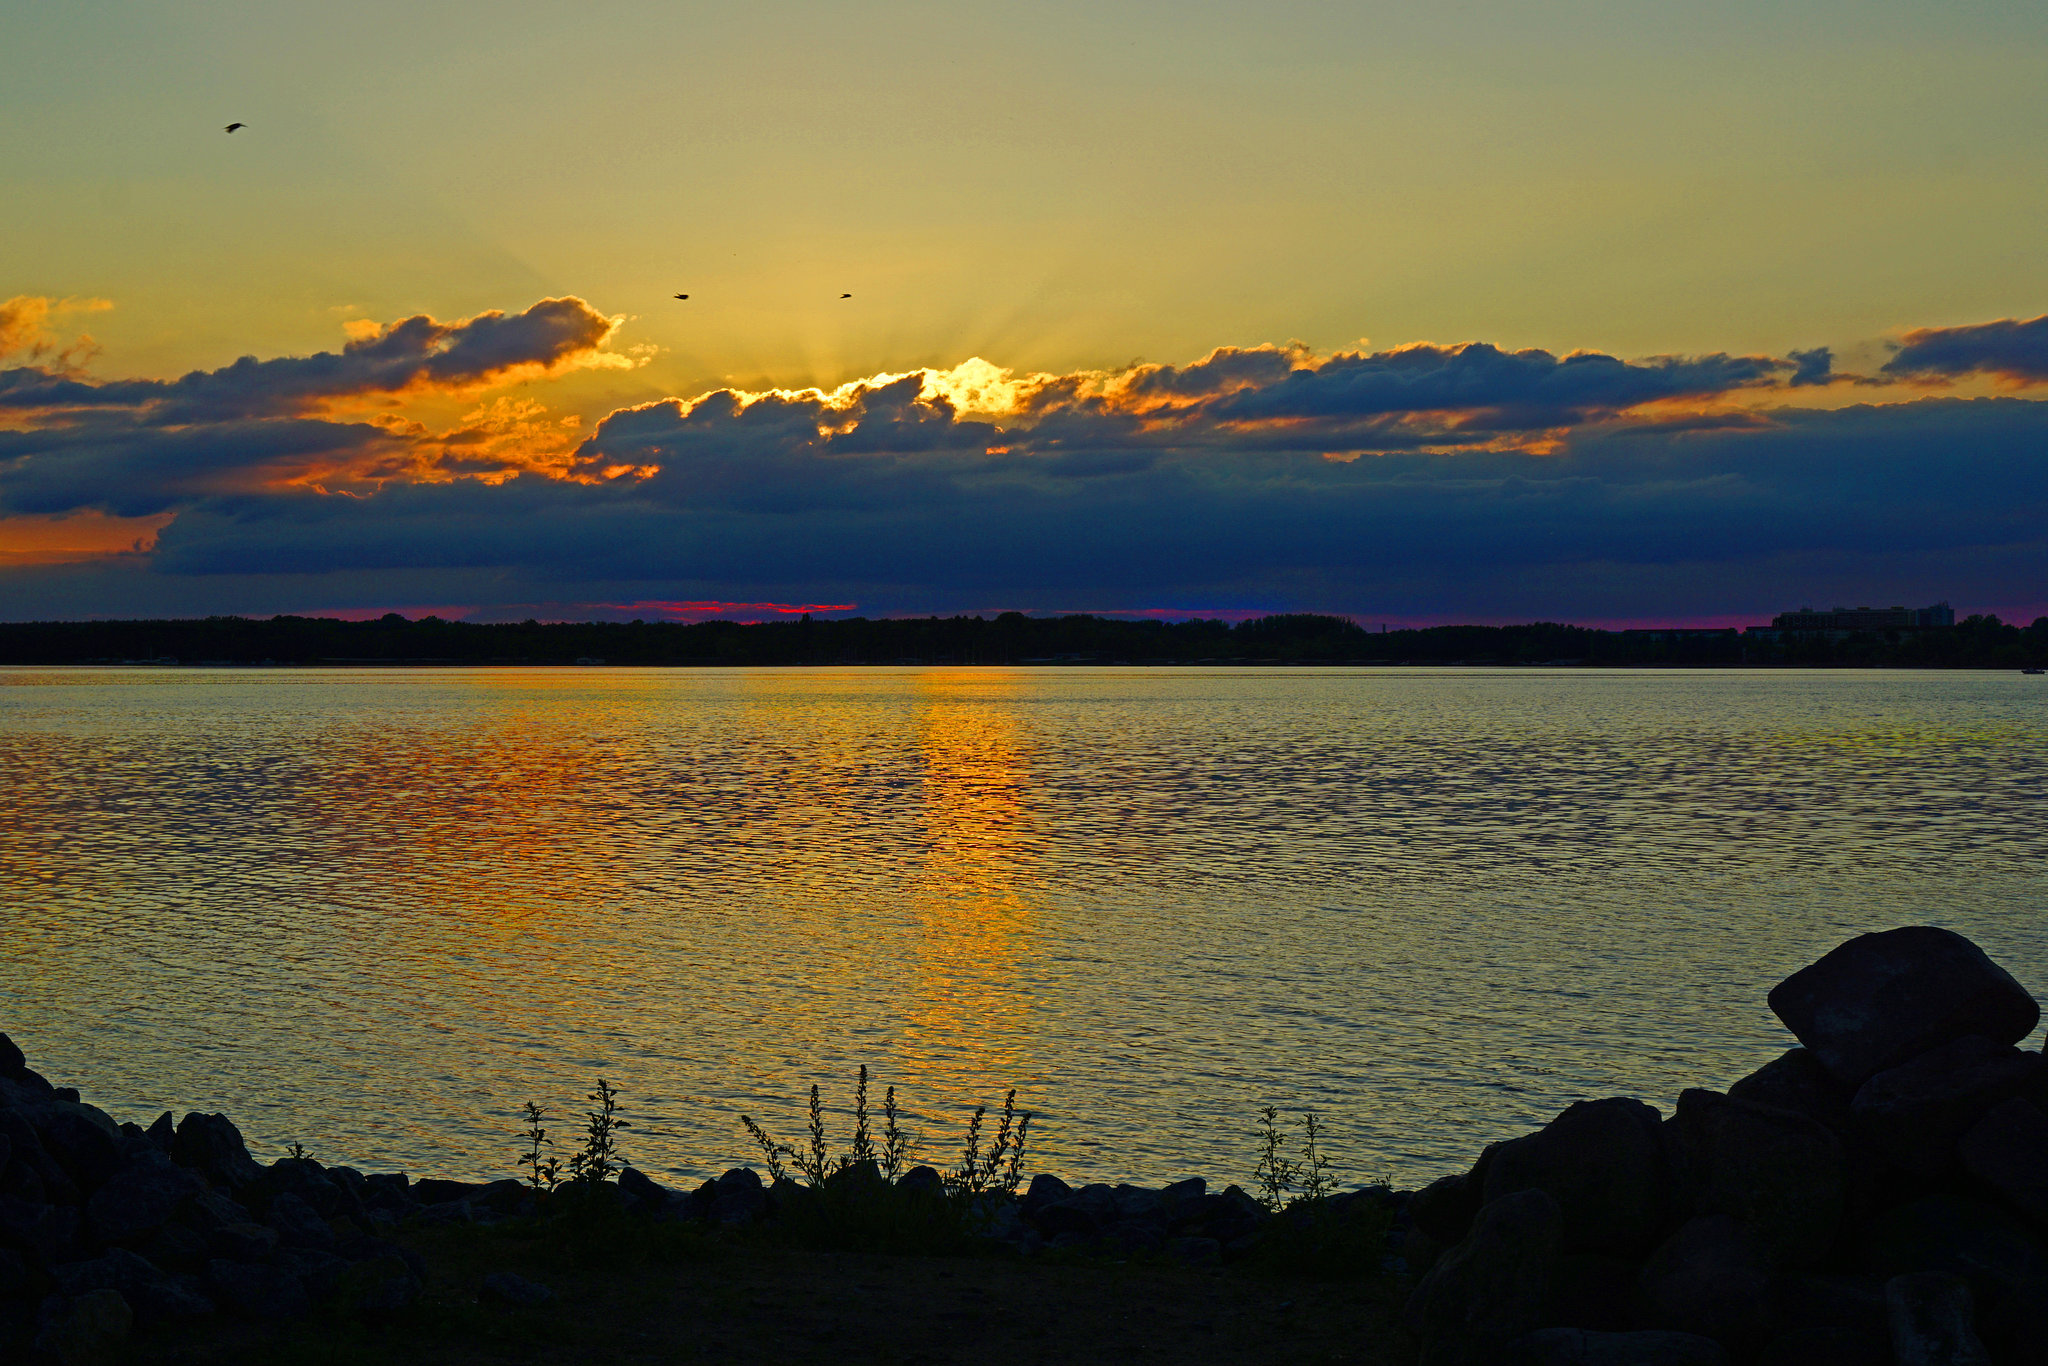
{"x":682,"y":296}
{"x":846,"y":296}
{"x":233,"y":126}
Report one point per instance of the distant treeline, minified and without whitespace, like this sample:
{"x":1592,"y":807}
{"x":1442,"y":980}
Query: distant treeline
{"x":1012,"y":638}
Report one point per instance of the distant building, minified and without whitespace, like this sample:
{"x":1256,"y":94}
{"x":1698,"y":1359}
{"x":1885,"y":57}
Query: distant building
{"x":1839,"y":622}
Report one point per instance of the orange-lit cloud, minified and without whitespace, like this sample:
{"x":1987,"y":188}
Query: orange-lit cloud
{"x":76,"y":536}
{"x":25,"y":332}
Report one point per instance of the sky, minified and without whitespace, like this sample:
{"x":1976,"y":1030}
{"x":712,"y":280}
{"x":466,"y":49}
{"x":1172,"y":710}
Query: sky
{"x":1485,"y":311}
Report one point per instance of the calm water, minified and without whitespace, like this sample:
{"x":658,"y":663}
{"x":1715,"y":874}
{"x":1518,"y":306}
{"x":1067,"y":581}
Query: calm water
{"x":374,"y":911}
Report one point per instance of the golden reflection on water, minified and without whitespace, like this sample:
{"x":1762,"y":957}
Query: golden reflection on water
{"x":974,"y":919}
{"x":377,"y":909}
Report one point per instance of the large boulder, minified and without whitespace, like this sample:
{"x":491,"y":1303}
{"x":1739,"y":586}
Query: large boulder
{"x":1711,"y":1278}
{"x":1494,"y":1286}
{"x":1780,"y":1173}
{"x":2007,"y":1151}
{"x":1796,"y":1081}
{"x":1882,"y":999}
{"x":740,"y":1198}
{"x":1916,"y":1113}
{"x":213,"y":1146}
{"x":1602,"y":1162}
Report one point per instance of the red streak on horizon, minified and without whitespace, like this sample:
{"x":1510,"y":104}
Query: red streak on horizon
{"x":698,"y":609}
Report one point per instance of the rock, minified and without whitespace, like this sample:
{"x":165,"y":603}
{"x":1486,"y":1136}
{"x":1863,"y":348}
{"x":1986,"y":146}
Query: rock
{"x":376,"y":1289}
{"x":163,"y":1133}
{"x":1071,"y":1217}
{"x":48,"y":1234}
{"x":388,"y":1193}
{"x":85,"y":1331}
{"x":175,"y":1247}
{"x":1710,"y":1278}
{"x":1491,"y":1288}
{"x":1916,"y":1113}
{"x":255,"y":1291}
{"x":1796,"y":1081}
{"x":1991,"y":1249}
{"x":639,"y":1192}
{"x":1781,"y":1174}
{"x":12,"y":1063}
{"x":1602,"y":1162}
{"x":244,"y":1242}
{"x":1135,"y":1237}
{"x":319,"y":1271}
{"x":1045,"y":1189}
{"x":926,"y":1181}
{"x":139,"y":1198}
{"x":739,"y":1198}
{"x":1881,"y":999}
{"x":154,"y":1295}
{"x":326,"y":1194}
{"x":1444,"y":1209}
{"x":502,"y":1287}
{"x":85,"y":1142}
{"x":1593,"y":1291}
{"x":212,"y":1146}
{"x":1578,"y":1347}
{"x":1173,"y":1198}
{"x":1932,"y":1321}
{"x":2007,"y":1151}
{"x":32,"y":1173}
{"x":298,"y":1224}
{"x":1135,"y":1202}
{"x":1195,"y":1251}
{"x":434,"y":1190}
{"x":210,"y":1210}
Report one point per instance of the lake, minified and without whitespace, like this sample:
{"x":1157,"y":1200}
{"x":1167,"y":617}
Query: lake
{"x":374,"y":911}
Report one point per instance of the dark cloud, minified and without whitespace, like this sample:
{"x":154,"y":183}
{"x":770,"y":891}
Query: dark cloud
{"x":412,"y":354}
{"x":2009,"y":348}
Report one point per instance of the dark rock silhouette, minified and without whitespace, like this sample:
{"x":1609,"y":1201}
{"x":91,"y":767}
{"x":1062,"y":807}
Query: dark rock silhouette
{"x":1878,"y":1195}
{"x":1882,"y":999}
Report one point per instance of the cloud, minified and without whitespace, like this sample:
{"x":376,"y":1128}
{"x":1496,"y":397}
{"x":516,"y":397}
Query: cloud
{"x":25,"y":330}
{"x":413,"y":355}
{"x":2009,"y":349}
{"x":1575,"y":484}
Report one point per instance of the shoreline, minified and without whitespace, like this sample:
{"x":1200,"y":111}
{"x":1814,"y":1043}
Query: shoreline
{"x":1838,"y":1199}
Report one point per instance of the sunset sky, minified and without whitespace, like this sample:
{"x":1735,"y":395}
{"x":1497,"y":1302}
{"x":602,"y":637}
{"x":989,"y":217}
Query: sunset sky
{"x":1481,"y":311}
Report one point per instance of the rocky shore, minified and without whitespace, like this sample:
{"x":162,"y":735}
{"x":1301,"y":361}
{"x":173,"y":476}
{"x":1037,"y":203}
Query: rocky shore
{"x":1877,"y":1195}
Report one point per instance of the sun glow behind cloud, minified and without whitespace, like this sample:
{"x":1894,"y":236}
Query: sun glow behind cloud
{"x":1252,"y":478}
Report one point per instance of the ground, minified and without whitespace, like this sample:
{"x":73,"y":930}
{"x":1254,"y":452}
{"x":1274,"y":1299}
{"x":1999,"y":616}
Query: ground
{"x":753,"y":1301}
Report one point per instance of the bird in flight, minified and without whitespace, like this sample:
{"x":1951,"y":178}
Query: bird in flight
{"x":846,"y":296}
{"x":682,"y":296}
{"x":233,"y":126}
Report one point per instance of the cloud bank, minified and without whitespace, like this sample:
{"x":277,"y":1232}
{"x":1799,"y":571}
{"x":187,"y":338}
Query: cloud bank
{"x":1460,"y":480}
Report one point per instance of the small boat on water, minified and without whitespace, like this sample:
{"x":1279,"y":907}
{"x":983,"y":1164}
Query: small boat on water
{"x":2033,"y":671}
